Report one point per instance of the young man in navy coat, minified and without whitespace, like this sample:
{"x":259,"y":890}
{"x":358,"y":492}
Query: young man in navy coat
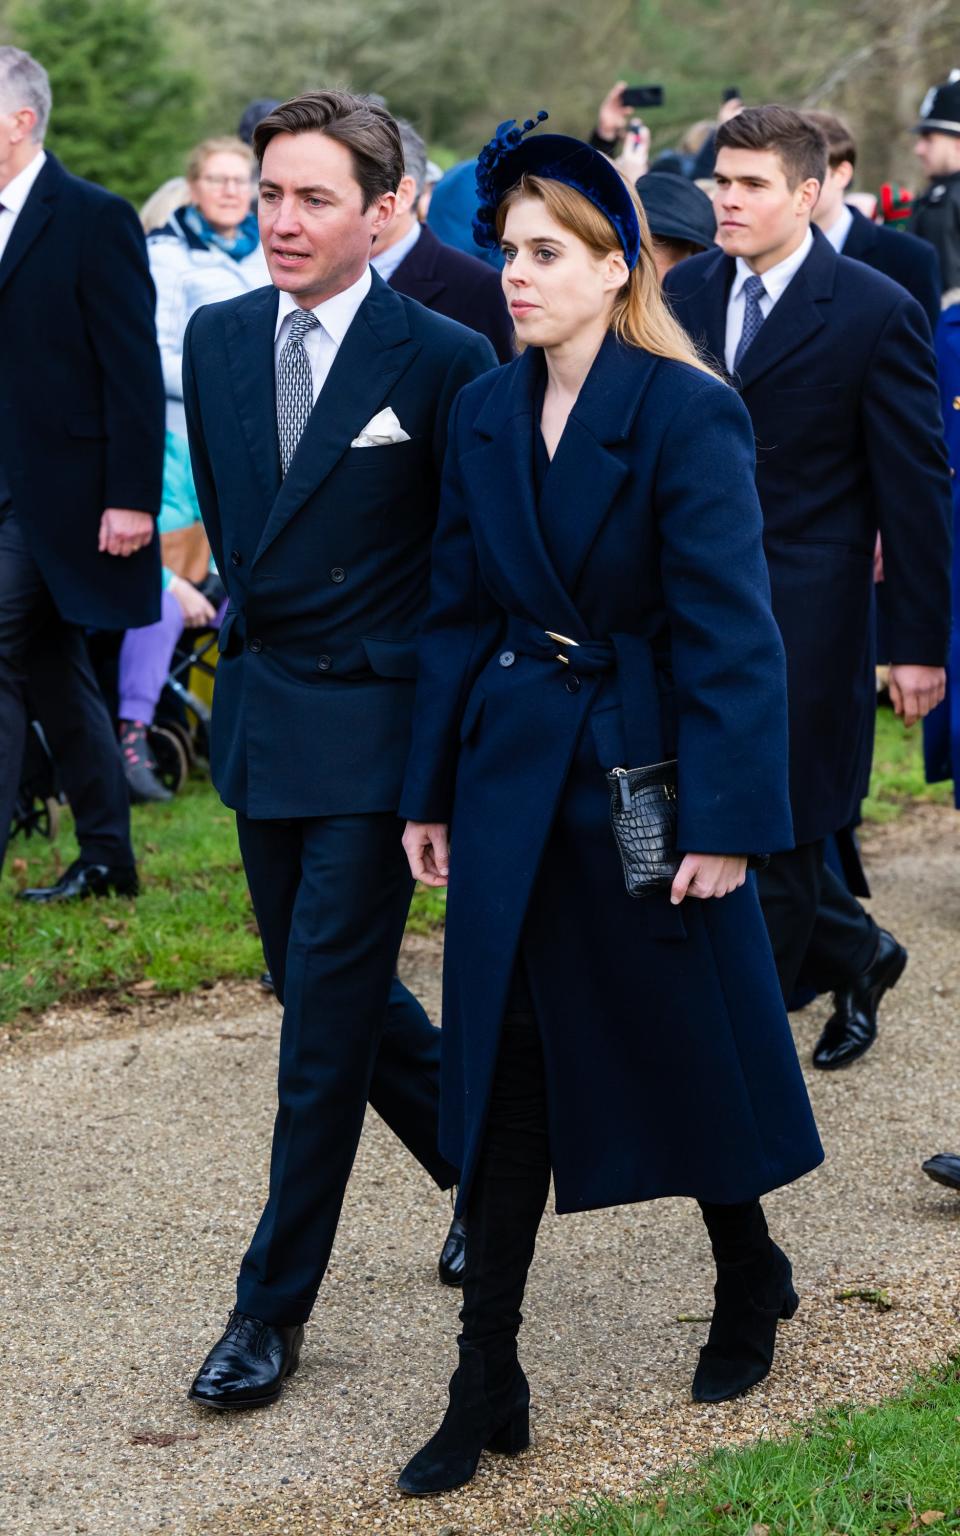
{"x":410,"y":257}
{"x":317,"y":414}
{"x":835,"y":366}
{"x":81,"y":465}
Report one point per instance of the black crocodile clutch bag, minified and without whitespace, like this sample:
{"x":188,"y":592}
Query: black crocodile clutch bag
{"x":643,"y":815}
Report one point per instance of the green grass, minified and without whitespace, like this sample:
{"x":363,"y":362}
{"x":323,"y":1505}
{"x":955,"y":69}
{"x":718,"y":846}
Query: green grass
{"x":897,"y":779}
{"x":875,"y":1472}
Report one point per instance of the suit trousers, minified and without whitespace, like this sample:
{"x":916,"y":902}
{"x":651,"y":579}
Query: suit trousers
{"x":331,"y":895}
{"x":820,"y":934}
{"x":44,"y":664}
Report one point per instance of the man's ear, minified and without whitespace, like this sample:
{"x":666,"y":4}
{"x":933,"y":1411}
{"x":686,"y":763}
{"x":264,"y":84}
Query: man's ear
{"x":406,"y":194}
{"x":808,"y":193}
{"x":384,"y":211}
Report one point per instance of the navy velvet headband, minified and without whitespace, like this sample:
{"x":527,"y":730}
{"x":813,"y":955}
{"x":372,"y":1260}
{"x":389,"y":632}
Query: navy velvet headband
{"x":509,"y":155}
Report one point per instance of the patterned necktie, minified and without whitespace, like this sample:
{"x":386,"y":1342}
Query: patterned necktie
{"x":294,"y":386}
{"x":753,"y":291}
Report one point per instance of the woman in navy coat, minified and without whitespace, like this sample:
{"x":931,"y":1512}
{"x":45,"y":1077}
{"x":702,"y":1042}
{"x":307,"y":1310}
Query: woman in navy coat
{"x":599,"y":599}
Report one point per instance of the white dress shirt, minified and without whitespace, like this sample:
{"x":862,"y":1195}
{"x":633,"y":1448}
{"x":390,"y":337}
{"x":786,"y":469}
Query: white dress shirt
{"x":14,"y":195}
{"x":775,"y":282}
{"x":387,"y":262}
{"x":323,"y":341}
{"x":840,"y":229}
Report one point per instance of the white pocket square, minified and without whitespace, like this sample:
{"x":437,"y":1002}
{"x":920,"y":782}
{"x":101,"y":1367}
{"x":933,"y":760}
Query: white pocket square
{"x":380,"y":429}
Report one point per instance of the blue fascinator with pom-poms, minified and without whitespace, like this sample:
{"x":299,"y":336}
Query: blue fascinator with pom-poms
{"x":510,"y":155}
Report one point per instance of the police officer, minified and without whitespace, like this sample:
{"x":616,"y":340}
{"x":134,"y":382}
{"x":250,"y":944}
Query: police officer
{"x":936,"y":215}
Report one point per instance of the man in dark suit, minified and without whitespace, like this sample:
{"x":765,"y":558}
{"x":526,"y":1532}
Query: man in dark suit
{"x":910,"y":262}
{"x":317,"y":414}
{"x":835,"y":366}
{"x":413,"y":261}
{"x":81,"y":460}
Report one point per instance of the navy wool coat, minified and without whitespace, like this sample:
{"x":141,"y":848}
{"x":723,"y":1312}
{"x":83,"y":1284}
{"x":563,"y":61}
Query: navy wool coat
{"x":841,"y":387}
{"x":326,"y":568}
{"x":670,"y":1065}
{"x":81,"y":395}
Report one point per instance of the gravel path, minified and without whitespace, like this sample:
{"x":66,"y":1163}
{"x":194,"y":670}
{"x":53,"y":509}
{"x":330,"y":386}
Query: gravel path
{"x":133,"y":1150}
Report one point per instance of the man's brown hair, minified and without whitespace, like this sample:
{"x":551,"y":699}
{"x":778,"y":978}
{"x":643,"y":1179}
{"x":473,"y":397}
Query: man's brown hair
{"x":797,"y":142}
{"x":840,"y":143}
{"x":362,"y":126}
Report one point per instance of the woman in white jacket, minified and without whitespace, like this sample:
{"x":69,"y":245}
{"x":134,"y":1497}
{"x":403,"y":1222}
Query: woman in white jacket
{"x":209,"y":249}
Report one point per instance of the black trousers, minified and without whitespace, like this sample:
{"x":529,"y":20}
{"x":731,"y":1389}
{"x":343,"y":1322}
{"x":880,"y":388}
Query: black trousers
{"x":331,"y":896}
{"x":45,"y":661}
{"x":820,"y":934}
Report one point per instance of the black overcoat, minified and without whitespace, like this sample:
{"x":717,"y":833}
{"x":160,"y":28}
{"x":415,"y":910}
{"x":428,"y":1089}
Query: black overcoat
{"x":82,"y":406}
{"x":670,"y":1065}
{"x":841,"y":387}
{"x":911,"y":262}
{"x":455,"y":284}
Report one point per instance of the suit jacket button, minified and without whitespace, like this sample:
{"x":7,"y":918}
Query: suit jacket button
{"x":572,"y":683}
{"x":256,"y":646}
{"x":324,"y":663}
{"x":235,"y":557}
{"x":507,"y":658}
{"x":338,"y":574}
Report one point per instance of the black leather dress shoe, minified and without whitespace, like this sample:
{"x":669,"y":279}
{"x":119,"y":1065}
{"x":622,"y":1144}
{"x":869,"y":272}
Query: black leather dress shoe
{"x":266,"y":982}
{"x":83,"y":879}
{"x":248,"y":1366}
{"x":453,"y":1254}
{"x":852,"y":1027}
{"x":944,"y":1169}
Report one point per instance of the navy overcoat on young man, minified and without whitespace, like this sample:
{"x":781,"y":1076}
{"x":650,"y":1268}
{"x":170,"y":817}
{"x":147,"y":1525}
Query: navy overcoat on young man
{"x":670,"y":1065}
{"x":841,"y":387}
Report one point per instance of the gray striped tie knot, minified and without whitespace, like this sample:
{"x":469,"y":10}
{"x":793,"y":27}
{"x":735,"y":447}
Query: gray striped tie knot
{"x":294,"y":386}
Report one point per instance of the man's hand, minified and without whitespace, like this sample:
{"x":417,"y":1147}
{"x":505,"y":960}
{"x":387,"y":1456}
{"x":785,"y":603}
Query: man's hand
{"x":914,"y":691}
{"x":613,"y":116}
{"x":194,"y":606}
{"x":427,"y":846}
{"x":708,"y":874}
{"x":123,"y":532}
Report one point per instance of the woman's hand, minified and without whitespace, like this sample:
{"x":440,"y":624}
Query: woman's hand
{"x":194,"y":606}
{"x":708,"y":874}
{"x":427,"y":846}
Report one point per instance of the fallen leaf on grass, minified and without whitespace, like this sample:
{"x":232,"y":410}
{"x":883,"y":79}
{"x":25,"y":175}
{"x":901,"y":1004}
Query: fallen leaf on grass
{"x":114,"y":924}
{"x":19,"y":866}
{"x":143,"y":987}
{"x":162,"y":1438}
{"x":877,"y":1298}
{"x":931,"y":1516}
{"x":759,"y":1530}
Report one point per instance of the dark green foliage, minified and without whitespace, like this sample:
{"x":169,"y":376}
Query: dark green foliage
{"x":123,"y":111}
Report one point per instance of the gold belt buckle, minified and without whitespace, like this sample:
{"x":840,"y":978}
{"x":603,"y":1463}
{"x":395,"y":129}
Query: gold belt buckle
{"x":562,"y":640}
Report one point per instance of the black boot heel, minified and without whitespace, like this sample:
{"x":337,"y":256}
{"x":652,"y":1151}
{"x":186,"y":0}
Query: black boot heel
{"x":514,"y":1437}
{"x":743,"y":1332}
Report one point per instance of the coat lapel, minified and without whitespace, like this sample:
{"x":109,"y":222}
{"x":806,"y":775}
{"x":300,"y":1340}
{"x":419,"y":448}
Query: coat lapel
{"x":376,"y":350}
{"x":33,"y":217}
{"x":249,"y":339}
{"x":417,"y":274}
{"x":708,"y":304}
{"x":795,"y":317}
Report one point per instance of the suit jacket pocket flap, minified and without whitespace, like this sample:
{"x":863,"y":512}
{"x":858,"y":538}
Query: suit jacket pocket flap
{"x":391,"y":658}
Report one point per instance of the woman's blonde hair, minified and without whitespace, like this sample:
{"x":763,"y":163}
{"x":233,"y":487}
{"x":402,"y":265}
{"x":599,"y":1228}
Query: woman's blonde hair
{"x":641,"y":316}
{"x":227,"y":145}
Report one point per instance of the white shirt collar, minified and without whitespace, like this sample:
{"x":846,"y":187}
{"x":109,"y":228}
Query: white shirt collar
{"x":15,"y":193}
{"x":776,"y":279}
{"x":335,"y":314}
{"x":840,"y":229}
{"x":387,"y":262}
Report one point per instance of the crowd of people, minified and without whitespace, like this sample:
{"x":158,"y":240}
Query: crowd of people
{"x":552,"y":515}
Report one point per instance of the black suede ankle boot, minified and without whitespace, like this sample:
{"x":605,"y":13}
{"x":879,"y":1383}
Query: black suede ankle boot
{"x":489,"y":1411}
{"x":753,"y":1291}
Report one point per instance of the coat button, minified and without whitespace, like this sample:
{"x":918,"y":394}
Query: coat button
{"x":338,"y":574}
{"x":256,"y":646}
{"x":235,"y":557}
{"x":572,"y":683}
{"x":507,"y":658}
{"x":324,"y":663}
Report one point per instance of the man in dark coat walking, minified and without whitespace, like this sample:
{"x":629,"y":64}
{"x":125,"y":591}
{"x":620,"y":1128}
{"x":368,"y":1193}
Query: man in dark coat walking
{"x":317,"y":413}
{"x":81,"y":462}
{"x":835,"y":366}
{"x":410,"y":257}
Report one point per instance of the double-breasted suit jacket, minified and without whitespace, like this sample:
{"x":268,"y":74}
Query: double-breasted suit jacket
{"x":841,"y":388}
{"x":327,"y":568}
{"x":670,"y":1066}
{"x":81,"y":395}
